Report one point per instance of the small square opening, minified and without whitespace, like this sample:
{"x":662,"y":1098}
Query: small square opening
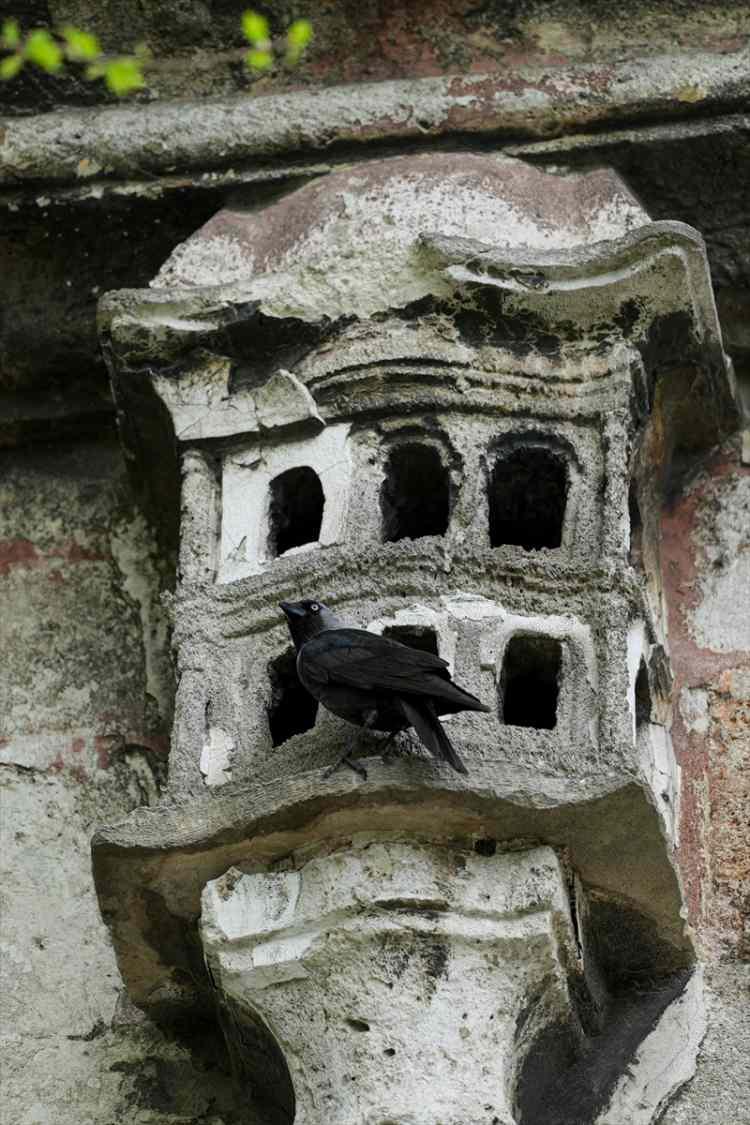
{"x":528,"y":490}
{"x":421,"y":637}
{"x":415,"y":495}
{"x":530,"y":681}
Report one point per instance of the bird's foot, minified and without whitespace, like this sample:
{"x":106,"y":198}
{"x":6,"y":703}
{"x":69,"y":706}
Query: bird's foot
{"x":391,"y":746}
{"x":347,"y":760}
{"x":388,"y":746}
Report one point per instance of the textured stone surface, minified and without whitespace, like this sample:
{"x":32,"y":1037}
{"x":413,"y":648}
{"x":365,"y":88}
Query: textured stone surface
{"x":86,"y":700}
{"x":694,"y":171}
{"x":412,"y":983}
{"x":244,"y":548}
{"x":719,"y":1091}
{"x":606,"y":85}
{"x":348,"y":243}
{"x":198,"y":48}
{"x":705,"y":550}
{"x":396,"y":976}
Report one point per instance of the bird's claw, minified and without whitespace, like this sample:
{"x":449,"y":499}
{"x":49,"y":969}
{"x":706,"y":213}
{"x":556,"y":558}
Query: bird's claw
{"x":346,"y":760}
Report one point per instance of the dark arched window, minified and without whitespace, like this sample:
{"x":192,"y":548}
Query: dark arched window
{"x":642,"y":697}
{"x":415,"y":495}
{"x":528,"y":488}
{"x":296,"y":511}
{"x":292,"y":710}
{"x":530,"y":681}
{"x":636,"y":525}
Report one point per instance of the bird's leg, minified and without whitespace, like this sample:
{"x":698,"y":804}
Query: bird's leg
{"x":346,"y":759}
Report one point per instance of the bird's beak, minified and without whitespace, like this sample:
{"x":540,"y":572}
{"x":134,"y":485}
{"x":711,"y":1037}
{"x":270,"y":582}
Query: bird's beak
{"x":291,"y":609}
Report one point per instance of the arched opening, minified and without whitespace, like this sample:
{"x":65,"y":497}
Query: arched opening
{"x":635,"y":553}
{"x":296,"y":510}
{"x":292,"y":709}
{"x":260,"y":1068}
{"x":421,"y":637}
{"x":528,"y":489}
{"x":530,"y":681}
{"x":642,"y":697}
{"x":415,"y":495}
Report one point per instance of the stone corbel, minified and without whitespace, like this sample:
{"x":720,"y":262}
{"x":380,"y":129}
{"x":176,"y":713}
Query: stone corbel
{"x":397,"y":978}
{"x":398,"y":983}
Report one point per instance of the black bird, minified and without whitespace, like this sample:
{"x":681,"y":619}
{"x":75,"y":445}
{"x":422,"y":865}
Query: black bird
{"x":375,"y":682}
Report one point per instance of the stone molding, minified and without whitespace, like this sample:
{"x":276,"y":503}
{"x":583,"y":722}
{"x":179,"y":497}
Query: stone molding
{"x":124,"y":143}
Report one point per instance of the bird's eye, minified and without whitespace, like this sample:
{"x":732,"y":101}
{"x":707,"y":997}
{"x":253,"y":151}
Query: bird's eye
{"x":314,"y":607}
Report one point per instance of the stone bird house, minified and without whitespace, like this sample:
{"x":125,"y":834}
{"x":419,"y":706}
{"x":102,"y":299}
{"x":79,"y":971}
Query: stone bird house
{"x":445,"y":394}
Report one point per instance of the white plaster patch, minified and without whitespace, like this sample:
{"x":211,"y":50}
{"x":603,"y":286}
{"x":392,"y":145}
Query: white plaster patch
{"x":35,"y":751}
{"x":238,"y":904}
{"x":202,"y":406}
{"x":658,"y":765}
{"x":694,"y":709}
{"x":216,"y":757}
{"x":246,"y":497}
{"x":283,"y":399}
{"x":472,"y":607}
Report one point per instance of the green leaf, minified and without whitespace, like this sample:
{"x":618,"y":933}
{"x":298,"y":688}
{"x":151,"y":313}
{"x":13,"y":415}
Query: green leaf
{"x":42,"y":50}
{"x":10,"y":35}
{"x":96,"y":70}
{"x":124,"y":75}
{"x":82,"y":45}
{"x":259,"y":60}
{"x":299,"y":35}
{"x":255,"y":27}
{"x":10,"y":66}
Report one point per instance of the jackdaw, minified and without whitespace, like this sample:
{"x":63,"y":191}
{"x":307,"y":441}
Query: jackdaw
{"x":375,"y":682}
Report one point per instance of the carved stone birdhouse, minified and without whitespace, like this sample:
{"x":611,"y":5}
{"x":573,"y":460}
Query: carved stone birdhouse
{"x":445,"y":394}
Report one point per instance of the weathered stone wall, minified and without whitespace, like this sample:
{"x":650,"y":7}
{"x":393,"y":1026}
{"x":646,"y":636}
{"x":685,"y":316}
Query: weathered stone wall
{"x":198,"y":47}
{"x":85,"y":703}
{"x":706,"y":559}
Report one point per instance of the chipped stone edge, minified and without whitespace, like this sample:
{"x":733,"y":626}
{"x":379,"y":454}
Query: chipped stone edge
{"x":665,"y":1060}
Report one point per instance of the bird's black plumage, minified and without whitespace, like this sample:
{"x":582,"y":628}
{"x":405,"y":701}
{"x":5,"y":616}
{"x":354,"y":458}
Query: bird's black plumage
{"x":375,"y":682}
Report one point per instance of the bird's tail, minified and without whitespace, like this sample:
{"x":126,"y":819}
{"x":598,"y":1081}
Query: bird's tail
{"x":432,"y":733}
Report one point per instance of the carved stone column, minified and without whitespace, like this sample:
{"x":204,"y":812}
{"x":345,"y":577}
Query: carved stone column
{"x":399,"y":978}
{"x":442,"y":394}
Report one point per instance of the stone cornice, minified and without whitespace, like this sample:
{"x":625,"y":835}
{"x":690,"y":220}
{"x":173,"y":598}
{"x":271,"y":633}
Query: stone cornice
{"x":90,"y":150}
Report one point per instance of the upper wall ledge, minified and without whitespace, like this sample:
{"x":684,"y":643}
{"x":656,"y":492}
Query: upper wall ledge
{"x":91,"y":150}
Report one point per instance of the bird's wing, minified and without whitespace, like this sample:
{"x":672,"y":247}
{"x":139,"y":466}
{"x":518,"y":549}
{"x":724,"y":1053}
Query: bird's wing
{"x":365,"y":660}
